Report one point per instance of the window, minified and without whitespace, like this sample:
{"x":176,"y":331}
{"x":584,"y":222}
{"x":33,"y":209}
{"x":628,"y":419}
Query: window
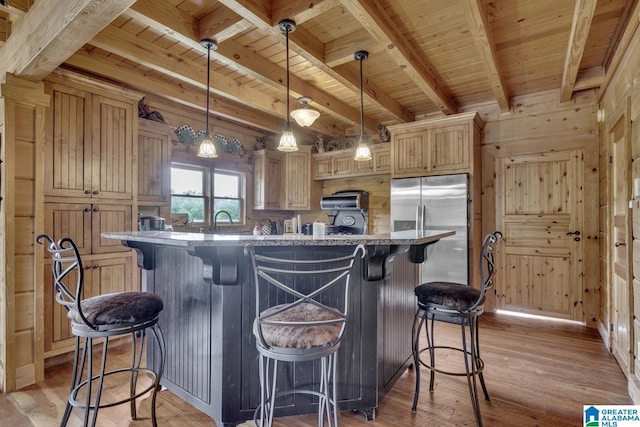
{"x":202,"y":193}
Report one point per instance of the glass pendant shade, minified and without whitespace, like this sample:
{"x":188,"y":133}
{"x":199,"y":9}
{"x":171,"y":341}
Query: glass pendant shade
{"x":363,"y":152}
{"x":288,"y":140}
{"x":207,"y":147}
{"x":305,"y":116}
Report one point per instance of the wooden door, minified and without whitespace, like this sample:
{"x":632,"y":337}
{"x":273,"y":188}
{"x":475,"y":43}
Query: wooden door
{"x":449,"y":149}
{"x":343,"y":165}
{"x":298,"y":170}
{"x":109,"y":217}
{"x":154,"y":163}
{"x":68,"y":145}
{"x":382,"y":159}
{"x":409,"y":154}
{"x":112,"y":148}
{"x":621,"y":274}
{"x":539,"y":211}
{"x":69,"y":220}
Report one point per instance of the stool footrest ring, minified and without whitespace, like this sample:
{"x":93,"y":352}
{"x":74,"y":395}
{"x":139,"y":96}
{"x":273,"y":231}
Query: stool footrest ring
{"x":477,"y":367}
{"x":77,"y":388}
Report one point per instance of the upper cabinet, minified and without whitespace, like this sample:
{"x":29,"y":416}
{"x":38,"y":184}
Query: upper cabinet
{"x":435,"y":147}
{"x":340,"y":164}
{"x":90,"y":148}
{"x":268,"y":170}
{"x":283,"y":181}
{"x":154,"y":163}
{"x":301,"y":191}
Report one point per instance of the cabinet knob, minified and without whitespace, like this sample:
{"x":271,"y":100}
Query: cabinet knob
{"x":96,"y":266}
{"x":95,"y":192}
{"x":87,"y":191}
{"x":96,"y":209}
{"x":87,"y":209}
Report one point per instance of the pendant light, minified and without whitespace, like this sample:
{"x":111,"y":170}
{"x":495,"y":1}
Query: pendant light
{"x":363,"y":153}
{"x":207,"y":146}
{"x":288,"y":140}
{"x":305,"y":116}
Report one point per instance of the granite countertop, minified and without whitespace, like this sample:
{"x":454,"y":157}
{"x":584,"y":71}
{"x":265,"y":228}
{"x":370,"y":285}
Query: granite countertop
{"x":172,"y":238}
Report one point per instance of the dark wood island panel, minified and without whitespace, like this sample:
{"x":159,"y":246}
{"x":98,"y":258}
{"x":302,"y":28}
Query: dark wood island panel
{"x":212,"y":361}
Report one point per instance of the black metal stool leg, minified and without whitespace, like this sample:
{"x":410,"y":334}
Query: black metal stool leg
{"x":431,"y":342}
{"x":418,"y":322}
{"x":161,"y":348}
{"x":479,"y":363}
{"x":471,"y":366}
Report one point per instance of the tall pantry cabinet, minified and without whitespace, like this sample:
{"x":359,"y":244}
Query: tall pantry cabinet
{"x":90,"y":177}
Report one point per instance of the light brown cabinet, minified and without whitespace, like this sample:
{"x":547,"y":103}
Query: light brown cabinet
{"x":91,"y":185}
{"x":283,"y":181}
{"x":83,"y":222}
{"x":154,"y":163}
{"x":268,"y":171}
{"x":89,"y":149}
{"x":435,"y":147}
{"x":340,"y":164}
{"x":301,"y":191}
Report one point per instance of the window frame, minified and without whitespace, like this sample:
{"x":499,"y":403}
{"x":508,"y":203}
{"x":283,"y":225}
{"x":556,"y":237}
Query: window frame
{"x":208,"y":189}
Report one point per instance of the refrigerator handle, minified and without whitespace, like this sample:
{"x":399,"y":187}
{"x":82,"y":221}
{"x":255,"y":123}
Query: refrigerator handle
{"x":424,"y":218}
{"x":418,"y":218}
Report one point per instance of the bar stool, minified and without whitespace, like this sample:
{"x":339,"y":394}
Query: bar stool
{"x":460,"y":304}
{"x":301,"y":312}
{"x":103,"y":317}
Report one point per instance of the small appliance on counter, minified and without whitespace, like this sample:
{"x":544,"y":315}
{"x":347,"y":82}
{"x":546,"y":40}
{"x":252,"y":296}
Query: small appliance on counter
{"x":349,"y":212}
{"x":151,"y":223}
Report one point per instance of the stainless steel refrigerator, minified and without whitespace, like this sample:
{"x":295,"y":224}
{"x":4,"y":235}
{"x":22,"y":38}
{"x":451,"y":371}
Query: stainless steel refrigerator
{"x":438,"y":203}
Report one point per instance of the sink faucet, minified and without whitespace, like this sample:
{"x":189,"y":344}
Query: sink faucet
{"x":215,"y":220}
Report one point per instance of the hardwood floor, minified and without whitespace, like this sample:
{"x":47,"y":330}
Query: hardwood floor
{"x":538,"y":372}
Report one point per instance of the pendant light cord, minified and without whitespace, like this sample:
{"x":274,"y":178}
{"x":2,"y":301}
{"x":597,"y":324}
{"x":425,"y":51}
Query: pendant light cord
{"x":208,"y":76}
{"x":287,"y":43}
{"x":361,"y":103}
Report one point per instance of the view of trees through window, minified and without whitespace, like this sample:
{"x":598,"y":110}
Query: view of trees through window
{"x":193,"y":189}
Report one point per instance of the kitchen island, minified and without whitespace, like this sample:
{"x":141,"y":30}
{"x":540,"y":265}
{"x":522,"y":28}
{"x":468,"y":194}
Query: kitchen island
{"x":206,"y":283}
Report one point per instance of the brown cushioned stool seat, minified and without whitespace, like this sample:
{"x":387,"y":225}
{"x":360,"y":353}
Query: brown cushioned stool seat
{"x":118,"y":308}
{"x":447,"y":294}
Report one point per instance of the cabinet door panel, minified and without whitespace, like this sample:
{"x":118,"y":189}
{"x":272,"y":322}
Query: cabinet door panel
{"x":382,"y":160}
{"x":343,"y":165}
{"x":112,"y":149}
{"x":109,"y":217}
{"x":410,"y":154}
{"x":268,"y":189}
{"x":298,"y":170}
{"x":449,"y":148}
{"x":68,"y":160}
{"x":153,"y":166}
{"x":69,"y":220}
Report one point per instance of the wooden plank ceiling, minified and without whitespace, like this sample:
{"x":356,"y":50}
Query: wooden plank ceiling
{"x":425,"y":57}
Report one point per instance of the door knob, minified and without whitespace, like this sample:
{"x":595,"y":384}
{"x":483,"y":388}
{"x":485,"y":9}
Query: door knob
{"x":616,"y":244}
{"x":575,"y":233}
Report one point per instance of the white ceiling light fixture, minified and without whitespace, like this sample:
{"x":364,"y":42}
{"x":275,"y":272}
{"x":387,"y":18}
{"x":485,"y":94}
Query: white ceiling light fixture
{"x":305,"y":116}
{"x":288,"y":139}
{"x":207,"y":147}
{"x":363,"y":152}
